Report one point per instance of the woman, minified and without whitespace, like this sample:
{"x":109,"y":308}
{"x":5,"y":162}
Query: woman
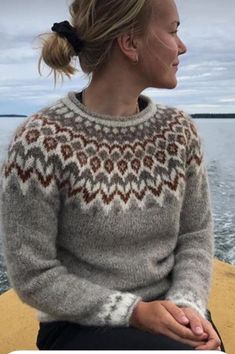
{"x":105,"y":205}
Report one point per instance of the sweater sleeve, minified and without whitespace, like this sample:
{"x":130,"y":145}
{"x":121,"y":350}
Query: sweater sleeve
{"x":192,"y":273}
{"x":30,"y":204}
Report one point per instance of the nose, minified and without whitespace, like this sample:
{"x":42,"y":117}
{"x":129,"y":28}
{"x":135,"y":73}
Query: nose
{"x":182,"y":47}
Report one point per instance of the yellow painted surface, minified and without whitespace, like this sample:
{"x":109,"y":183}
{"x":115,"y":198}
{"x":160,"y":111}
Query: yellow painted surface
{"x":222,"y":303}
{"x":19,"y":325}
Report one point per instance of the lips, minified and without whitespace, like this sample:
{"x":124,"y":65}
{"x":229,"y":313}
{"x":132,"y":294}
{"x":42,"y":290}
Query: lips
{"x":176,"y":64}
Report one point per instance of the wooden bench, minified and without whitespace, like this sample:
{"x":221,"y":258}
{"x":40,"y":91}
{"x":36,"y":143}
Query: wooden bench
{"x":19,"y":325}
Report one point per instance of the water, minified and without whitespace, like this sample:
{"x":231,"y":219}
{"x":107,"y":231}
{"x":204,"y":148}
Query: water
{"x":7,"y":128}
{"x":219,"y":145}
{"x":218,"y":139}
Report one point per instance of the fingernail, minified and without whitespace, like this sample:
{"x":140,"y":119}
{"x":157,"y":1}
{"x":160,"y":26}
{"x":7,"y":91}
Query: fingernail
{"x":184,"y":319}
{"x":199,"y":330}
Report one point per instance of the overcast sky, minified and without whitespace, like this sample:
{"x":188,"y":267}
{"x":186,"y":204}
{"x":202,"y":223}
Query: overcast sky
{"x":206,"y":76}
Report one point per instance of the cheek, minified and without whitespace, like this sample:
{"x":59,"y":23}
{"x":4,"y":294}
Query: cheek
{"x":170,"y":47}
{"x":164,"y":48}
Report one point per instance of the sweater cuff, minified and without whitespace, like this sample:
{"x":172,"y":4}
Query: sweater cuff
{"x":116,"y":311}
{"x":188,"y":300}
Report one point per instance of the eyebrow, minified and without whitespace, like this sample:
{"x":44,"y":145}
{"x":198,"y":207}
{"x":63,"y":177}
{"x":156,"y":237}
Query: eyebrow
{"x":178,"y":23}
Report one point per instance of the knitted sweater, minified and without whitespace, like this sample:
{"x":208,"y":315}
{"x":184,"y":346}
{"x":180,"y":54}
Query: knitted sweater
{"x":101,"y":211}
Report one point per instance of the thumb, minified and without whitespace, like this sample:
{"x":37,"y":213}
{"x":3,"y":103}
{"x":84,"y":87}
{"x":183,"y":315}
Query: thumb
{"x":176,"y":312}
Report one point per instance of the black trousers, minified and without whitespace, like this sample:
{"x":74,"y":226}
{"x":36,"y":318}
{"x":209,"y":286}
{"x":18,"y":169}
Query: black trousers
{"x":63,"y":335}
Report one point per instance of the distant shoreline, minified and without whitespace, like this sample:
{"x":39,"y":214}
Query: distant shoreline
{"x":12,"y":115}
{"x":213,"y":115}
{"x":193,"y":115}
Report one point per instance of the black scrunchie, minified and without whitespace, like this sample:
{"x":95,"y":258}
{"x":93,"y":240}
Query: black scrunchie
{"x":64,"y":29}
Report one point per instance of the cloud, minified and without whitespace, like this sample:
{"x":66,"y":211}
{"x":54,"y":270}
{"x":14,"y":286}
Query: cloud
{"x":227,"y":99}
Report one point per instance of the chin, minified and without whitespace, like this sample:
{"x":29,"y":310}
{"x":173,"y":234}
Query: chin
{"x":167,"y":84}
{"x":171,"y":85}
{"x":174,"y":85}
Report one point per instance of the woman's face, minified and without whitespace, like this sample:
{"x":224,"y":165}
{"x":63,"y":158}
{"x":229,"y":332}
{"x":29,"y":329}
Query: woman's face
{"x":161,"y":52}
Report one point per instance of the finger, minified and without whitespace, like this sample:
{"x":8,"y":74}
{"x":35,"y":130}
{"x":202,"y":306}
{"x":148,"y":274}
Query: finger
{"x":211,"y":331}
{"x":210,"y":345}
{"x":195,"y":321}
{"x":180,"y":330}
{"x":174,"y":336}
{"x":213,"y":341}
{"x":176,"y":312}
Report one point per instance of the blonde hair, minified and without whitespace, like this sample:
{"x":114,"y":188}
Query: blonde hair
{"x":98,"y":23}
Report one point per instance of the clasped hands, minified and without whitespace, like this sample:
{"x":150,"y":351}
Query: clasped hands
{"x":183,"y":324}
{"x":202,"y":328}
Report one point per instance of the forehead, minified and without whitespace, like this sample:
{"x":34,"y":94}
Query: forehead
{"x":165,"y":11}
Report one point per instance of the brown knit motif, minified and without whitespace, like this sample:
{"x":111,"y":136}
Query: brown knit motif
{"x":84,"y":165}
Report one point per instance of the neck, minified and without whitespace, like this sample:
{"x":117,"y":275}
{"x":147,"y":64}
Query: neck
{"x":111,"y":107}
{"x":114,"y":99}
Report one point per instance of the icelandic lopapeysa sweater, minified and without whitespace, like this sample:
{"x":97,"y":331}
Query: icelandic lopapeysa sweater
{"x":101,"y":211}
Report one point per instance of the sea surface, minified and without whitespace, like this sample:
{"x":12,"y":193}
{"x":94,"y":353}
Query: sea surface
{"x":218,"y":140}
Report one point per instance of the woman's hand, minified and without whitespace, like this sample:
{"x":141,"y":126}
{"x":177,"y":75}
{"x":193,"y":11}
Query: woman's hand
{"x":164,"y":317}
{"x":198,"y":324}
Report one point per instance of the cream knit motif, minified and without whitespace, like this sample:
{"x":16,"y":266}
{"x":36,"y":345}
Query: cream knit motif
{"x":99,"y":212}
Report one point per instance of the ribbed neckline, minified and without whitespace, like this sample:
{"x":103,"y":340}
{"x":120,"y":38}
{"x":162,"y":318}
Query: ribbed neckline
{"x":72,"y":102}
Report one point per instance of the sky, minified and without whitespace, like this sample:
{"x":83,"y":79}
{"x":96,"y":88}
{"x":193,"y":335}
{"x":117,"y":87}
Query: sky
{"x":206,"y":75}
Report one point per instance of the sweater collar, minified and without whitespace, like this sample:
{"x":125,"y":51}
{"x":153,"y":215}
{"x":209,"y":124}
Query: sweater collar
{"x":73,"y":103}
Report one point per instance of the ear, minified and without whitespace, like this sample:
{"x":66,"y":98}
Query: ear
{"x":128,"y":45}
